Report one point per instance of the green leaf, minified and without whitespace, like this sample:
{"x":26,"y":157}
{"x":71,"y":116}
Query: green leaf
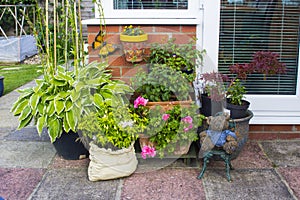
{"x":71,"y":119}
{"x":34,"y":100}
{"x":59,"y":106}
{"x":25,"y":113}
{"x":54,"y":129}
{"x":40,"y":124}
{"x":98,"y":99}
{"x":25,"y":122}
{"x":51,"y":109}
{"x":68,"y":105}
{"x":19,"y":106}
{"x":66,"y":125}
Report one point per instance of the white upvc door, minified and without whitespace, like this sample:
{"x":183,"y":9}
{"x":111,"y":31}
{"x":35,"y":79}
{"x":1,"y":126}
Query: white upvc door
{"x":267,"y":109}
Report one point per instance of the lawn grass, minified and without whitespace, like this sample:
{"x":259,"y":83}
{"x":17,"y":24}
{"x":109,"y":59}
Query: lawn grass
{"x":18,"y":74}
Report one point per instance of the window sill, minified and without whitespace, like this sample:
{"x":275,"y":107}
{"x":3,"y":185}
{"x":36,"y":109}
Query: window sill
{"x":110,"y":21}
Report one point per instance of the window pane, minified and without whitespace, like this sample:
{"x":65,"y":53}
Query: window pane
{"x":261,"y":25}
{"x":151,"y":4}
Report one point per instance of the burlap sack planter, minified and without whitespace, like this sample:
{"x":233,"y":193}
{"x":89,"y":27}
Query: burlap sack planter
{"x":107,"y":164}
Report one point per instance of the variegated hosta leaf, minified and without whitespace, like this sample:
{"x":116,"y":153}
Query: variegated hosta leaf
{"x":71,"y":120}
{"x":40,"y":124}
{"x":68,"y":105}
{"x":66,"y":125}
{"x":34,"y":100}
{"x":50,"y":109}
{"x":19,"y":106}
{"x":59,"y":106}
{"x":25,"y":113}
{"x":25,"y":122}
{"x":54,"y":129}
{"x":98,"y":99}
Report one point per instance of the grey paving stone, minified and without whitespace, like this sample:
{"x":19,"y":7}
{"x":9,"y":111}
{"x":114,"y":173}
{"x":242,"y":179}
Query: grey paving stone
{"x":73,"y":184}
{"x":28,"y":134}
{"x":247,"y":184}
{"x":7,"y":119}
{"x":283,"y":153}
{"x":26,"y":154}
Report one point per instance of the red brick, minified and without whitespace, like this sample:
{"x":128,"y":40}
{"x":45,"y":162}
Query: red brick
{"x":113,"y":29}
{"x":117,"y":60}
{"x":253,"y":127}
{"x":288,"y":136}
{"x":157,"y":38}
{"x":131,"y":71}
{"x":93,"y":28}
{"x":112,"y":38}
{"x":188,"y":29}
{"x":167,"y":29}
{"x":296,"y":128}
{"x":91,"y":38}
{"x":116,"y":72}
{"x":92,"y":59}
{"x":278,"y":128}
{"x":183,"y":38}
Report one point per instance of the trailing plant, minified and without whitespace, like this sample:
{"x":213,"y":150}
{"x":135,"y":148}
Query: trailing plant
{"x":161,"y":84}
{"x":132,"y":31}
{"x":184,"y":58}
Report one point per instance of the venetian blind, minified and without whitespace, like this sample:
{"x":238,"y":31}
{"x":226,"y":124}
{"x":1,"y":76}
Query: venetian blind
{"x":150,"y":4}
{"x":270,"y":25}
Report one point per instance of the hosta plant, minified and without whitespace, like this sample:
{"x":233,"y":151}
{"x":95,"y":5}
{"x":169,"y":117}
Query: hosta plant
{"x":57,"y":102}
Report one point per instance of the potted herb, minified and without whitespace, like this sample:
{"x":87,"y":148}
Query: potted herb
{"x":133,"y":41}
{"x":111,"y":133}
{"x":184,"y":58}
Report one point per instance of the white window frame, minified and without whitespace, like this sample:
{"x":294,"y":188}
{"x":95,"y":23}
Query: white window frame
{"x":267,"y":109}
{"x":149,"y":16}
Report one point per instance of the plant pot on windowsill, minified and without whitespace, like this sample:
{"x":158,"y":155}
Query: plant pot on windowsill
{"x":134,"y":47}
{"x":238,"y":111}
{"x":1,"y":85}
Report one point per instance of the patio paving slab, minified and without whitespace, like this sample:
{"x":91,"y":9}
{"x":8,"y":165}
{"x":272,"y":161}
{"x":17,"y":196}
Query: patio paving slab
{"x":292,"y":177}
{"x":60,"y":163}
{"x":247,"y":184}
{"x":62,"y":184}
{"x":26,"y":154}
{"x":163,"y":184}
{"x":28,"y":134}
{"x":19,"y":183}
{"x":283,"y":153}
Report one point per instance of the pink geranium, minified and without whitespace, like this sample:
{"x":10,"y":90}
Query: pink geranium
{"x":188,"y":119}
{"x":147,"y":150}
{"x":140,"y":101}
{"x":165,"y":117}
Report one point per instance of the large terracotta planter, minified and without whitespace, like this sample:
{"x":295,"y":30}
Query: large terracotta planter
{"x":134,"y":47}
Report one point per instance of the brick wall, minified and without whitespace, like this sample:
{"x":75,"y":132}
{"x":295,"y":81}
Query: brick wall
{"x":156,"y":34}
{"x":274,"y":132}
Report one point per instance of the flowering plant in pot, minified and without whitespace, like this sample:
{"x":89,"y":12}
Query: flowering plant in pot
{"x":134,"y":42}
{"x":168,"y":131}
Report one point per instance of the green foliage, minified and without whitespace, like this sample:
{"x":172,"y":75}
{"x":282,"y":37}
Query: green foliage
{"x":132,"y":31}
{"x":161,"y":84}
{"x":184,"y":58}
{"x":110,"y":127}
{"x":57,"y":102}
{"x":174,"y":131}
{"x":235,"y":92}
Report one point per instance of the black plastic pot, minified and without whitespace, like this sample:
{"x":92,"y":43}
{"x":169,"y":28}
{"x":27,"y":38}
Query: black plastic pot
{"x":238,"y":111}
{"x":70,"y":147}
{"x":210,"y":107}
{"x":1,"y":85}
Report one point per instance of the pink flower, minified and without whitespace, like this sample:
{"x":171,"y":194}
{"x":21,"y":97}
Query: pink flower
{"x":140,"y":101}
{"x":188,"y":119}
{"x":165,"y":117}
{"x":146,"y":150}
{"x":186,"y":129}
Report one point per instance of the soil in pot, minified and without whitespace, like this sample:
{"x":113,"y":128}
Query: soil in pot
{"x":70,"y":147}
{"x":238,"y":111}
